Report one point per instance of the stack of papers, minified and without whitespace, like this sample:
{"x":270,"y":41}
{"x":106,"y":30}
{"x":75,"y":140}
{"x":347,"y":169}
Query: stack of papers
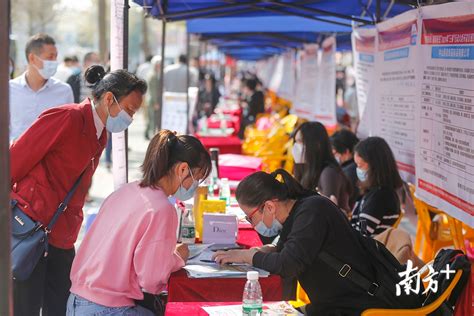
{"x":269,"y":309}
{"x":214,"y":270}
{"x":201,"y":265}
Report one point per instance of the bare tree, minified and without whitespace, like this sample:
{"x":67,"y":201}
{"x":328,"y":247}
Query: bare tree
{"x":102,"y":13}
{"x":36,"y":14}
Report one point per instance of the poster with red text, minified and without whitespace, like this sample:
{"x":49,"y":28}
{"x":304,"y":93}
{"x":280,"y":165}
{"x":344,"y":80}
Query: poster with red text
{"x":326,"y":98}
{"x":445,"y":135}
{"x":363,"y":48}
{"x":396,"y":88}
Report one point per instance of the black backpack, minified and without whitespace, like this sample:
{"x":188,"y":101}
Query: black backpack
{"x":456,"y":260}
{"x":386,"y":269}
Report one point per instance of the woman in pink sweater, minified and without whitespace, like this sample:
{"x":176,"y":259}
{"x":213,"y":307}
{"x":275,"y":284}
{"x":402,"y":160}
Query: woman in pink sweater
{"x":131,"y":248}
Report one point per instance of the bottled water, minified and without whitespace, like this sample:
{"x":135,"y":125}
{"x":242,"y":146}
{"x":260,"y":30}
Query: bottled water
{"x":252,"y":298}
{"x":225,"y":191}
{"x":188,"y":230}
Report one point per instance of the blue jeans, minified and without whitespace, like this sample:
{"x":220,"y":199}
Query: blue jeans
{"x":78,"y":306}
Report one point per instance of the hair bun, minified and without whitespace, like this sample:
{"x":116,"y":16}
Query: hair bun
{"x":172,"y":139}
{"x":94,"y":74}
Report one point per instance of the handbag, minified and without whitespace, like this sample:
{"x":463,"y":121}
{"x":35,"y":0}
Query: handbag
{"x":30,"y":238}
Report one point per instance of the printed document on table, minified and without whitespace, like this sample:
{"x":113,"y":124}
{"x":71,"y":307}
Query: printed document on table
{"x":269,"y":309}
{"x":213,"y":270}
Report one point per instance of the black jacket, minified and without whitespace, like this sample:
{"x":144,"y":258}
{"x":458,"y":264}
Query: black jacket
{"x":316,"y":224}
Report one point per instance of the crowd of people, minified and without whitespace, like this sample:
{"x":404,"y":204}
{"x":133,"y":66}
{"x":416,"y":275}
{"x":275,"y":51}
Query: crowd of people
{"x":340,"y":188}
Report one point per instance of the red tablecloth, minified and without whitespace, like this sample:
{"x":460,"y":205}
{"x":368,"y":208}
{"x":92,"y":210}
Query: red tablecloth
{"x":226,"y":145}
{"x":181,"y":288}
{"x":247,"y":236}
{"x":192,"y":308}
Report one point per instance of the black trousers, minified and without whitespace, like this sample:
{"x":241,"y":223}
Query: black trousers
{"x":48,"y":286}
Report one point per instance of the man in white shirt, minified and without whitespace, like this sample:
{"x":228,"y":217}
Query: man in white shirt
{"x":175,"y":76}
{"x":35,"y":90}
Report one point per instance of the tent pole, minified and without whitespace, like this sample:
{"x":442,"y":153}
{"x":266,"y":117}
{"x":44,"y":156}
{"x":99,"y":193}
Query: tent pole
{"x":6,"y":294}
{"x":159,"y":111}
{"x":377,"y":10}
{"x":126,"y":8}
{"x":188,"y":55}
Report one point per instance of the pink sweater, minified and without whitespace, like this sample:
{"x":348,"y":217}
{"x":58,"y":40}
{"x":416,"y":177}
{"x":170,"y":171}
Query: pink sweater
{"x":129,"y":248}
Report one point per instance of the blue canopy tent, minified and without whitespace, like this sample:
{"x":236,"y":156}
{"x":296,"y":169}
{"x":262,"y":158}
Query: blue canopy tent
{"x":363,"y":11}
{"x":279,"y":33}
{"x":271,"y":23}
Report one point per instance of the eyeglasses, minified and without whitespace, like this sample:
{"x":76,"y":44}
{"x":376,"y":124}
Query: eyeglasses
{"x":248,"y":218}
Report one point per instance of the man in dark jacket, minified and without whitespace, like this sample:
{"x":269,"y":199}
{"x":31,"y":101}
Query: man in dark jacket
{"x":254,"y":105}
{"x":77,"y":82}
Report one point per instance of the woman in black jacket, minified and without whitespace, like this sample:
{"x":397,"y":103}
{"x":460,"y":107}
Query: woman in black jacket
{"x":309,"y":225}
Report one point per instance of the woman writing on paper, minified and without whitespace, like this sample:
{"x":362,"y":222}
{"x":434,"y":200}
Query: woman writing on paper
{"x":131,"y":246}
{"x":308,"y":224}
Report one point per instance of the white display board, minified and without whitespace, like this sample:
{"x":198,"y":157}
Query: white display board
{"x":283,"y":78}
{"x":119,"y":150}
{"x":174,"y":115}
{"x":396,"y":88}
{"x":306,"y":89}
{"x":364,"y":47}
{"x":315,"y":97}
{"x":445,"y":137}
{"x":326,"y":101}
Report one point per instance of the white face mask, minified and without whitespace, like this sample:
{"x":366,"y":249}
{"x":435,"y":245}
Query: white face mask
{"x":298,"y":153}
{"x":49,"y":68}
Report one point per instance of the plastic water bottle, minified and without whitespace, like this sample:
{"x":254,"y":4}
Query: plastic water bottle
{"x":225,"y":191}
{"x":252,"y":298}
{"x":214,"y":185}
{"x":188,"y":229}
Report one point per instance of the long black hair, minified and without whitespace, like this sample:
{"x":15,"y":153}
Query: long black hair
{"x":317,"y":154}
{"x":259,"y":187}
{"x":383,"y":171}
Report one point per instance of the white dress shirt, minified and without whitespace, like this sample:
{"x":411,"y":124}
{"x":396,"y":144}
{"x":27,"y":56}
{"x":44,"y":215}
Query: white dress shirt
{"x":99,"y":126}
{"x":26,"y":105}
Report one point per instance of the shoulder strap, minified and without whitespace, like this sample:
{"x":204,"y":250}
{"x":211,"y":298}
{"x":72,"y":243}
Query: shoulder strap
{"x":345,"y":271}
{"x":63,"y":205}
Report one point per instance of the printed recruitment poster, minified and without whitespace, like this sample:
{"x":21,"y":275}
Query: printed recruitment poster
{"x":283,"y":80}
{"x":174,"y":116}
{"x":326,"y":101}
{"x":445,"y":139}
{"x":396,"y":89}
{"x":363,"y":48}
{"x":306,"y":89}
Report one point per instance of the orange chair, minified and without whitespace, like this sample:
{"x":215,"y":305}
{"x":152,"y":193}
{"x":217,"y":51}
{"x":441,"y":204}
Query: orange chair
{"x":301,"y":297}
{"x":449,"y":231}
{"x":422,"y":311}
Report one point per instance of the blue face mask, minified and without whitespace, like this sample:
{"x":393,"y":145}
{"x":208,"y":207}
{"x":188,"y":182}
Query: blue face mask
{"x":273,"y":231}
{"x":361,"y":174}
{"x":120,"y":122}
{"x":184,"y":194}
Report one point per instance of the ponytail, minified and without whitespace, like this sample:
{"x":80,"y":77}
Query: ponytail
{"x":259,"y":187}
{"x":166,"y":149}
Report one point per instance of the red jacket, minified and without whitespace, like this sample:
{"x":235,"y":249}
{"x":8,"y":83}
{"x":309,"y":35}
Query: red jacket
{"x":48,"y":158}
